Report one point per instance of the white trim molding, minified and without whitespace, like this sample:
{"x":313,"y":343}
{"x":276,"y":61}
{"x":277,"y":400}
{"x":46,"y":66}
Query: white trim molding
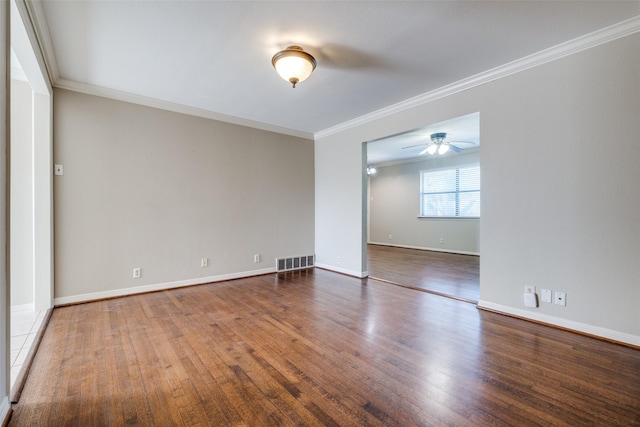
{"x":176,"y":108}
{"x":25,"y":43}
{"x":22,"y":308}
{"x":422,"y":248}
{"x":353,"y":273}
{"x":5,"y":406}
{"x":563,"y":323}
{"x":605,"y":35}
{"x":587,"y":41}
{"x":74,"y":299}
{"x":18,"y":74}
{"x":43,"y":36}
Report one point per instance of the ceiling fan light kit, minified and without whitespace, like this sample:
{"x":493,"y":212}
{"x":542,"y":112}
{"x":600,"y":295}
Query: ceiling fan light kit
{"x":439,"y":145}
{"x":294,"y":64}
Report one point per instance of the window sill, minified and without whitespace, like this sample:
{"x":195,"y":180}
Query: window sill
{"x":448,"y":217}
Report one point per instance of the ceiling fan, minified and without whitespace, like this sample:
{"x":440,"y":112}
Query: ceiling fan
{"x":439,"y":144}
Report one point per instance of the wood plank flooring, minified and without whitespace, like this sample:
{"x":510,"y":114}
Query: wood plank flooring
{"x":318,"y":348}
{"x":449,"y":274}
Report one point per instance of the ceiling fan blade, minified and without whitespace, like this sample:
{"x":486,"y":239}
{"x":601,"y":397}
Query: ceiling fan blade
{"x":412,"y":146}
{"x":423,"y":151}
{"x":466,"y":144}
{"x":455,"y":149}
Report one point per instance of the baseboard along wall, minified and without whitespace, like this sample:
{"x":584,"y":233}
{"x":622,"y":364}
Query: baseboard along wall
{"x":74,"y":299}
{"x":583,"y":328}
{"x":422,"y":248}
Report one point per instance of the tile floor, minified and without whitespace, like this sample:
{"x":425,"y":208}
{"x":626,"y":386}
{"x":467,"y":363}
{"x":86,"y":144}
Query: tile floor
{"x":25,"y":324}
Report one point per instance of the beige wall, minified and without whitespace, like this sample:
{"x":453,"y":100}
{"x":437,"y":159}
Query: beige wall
{"x":159,"y":190}
{"x":21,"y":194}
{"x":560,"y":171}
{"x":394,"y":207}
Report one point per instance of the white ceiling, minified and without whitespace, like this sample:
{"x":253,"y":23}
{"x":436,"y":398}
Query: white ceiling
{"x":407,"y":146}
{"x":215,"y":56}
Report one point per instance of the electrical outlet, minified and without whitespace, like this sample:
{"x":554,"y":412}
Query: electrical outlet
{"x":560,"y":299}
{"x":339,"y":260}
{"x":204,"y":262}
{"x":137,"y":273}
{"x":441,"y":241}
{"x":529,"y":289}
{"x":256,"y":258}
{"x":546,"y":295}
{"x":58,"y":170}
{"x":390,"y":237}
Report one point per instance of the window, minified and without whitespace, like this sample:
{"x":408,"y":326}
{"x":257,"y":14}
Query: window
{"x":451,"y":192}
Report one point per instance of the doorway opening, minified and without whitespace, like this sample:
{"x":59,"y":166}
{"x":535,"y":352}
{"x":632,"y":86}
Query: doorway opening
{"x":423,"y":208}
{"x":30,"y":199}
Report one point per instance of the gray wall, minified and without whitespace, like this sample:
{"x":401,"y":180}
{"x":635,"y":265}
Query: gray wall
{"x":560,"y":170}
{"x":159,"y":190}
{"x":21,"y":194}
{"x":394,"y":207}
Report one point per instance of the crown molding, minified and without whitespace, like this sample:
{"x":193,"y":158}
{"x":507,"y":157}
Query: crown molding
{"x":26,"y":47}
{"x":43,"y":37}
{"x":176,"y":108}
{"x":605,"y":35}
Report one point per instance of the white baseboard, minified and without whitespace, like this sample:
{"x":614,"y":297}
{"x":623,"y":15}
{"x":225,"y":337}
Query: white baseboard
{"x":564,"y":323}
{"x":422,"y":248}
{"x":158,"y":287}
{"x":4,"y":409}
{"x":23,"y":308}
{"x":358,"y":274}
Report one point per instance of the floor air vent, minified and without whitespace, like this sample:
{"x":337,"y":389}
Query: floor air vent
{"x":294,"y":263}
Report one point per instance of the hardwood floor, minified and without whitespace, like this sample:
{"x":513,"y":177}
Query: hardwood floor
{"x":318,"y":348}
{"x":448,"y":274}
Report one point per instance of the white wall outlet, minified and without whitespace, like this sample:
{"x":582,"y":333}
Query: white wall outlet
{"x":560,"y":299}
{"x":137,"y":273}
{"x":58,"y":170}
{"x":204,"y":262}
{"x":339,"y":260}
{"x":529,"y":289}
{"x":546,"y":295}
{"x":256,"y":258}
{"x":441,"y":241}
{"x":390,"y":237}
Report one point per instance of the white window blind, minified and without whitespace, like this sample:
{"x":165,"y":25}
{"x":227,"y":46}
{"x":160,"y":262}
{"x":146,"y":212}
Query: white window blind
{"x":451,"y":192}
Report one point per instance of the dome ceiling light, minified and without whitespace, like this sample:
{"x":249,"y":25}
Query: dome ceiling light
{"x":294,"y":64}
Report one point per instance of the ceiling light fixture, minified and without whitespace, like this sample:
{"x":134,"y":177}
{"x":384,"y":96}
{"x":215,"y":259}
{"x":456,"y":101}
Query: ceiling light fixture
{"x":438,"y":144}
{"x":293,"y":64}
{"x":371,"y":170}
